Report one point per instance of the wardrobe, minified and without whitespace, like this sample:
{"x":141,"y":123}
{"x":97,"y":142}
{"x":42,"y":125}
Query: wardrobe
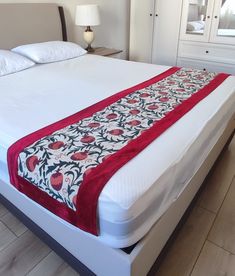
{"x":154,"y":31}
{"x":207,"y":37}
{"x":189,"y":33}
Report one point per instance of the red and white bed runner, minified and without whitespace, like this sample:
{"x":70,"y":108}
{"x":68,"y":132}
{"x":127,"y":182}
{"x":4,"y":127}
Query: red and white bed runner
{"x":65,"y":166}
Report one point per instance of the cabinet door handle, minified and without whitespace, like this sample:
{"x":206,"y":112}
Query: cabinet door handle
{"x":216,"y":17}
{"x":156,"y":15}
{"x":207,"y":52}
{"x":208,"y":16}
{"x":151,"y":14}
{"x":204,"y":69}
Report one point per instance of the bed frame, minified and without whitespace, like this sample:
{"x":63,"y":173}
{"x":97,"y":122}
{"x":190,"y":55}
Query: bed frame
{"x":134,"y":261}
{"x":31,"y":23}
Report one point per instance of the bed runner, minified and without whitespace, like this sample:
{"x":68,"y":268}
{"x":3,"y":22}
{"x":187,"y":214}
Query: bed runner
{"x":65,"y":166}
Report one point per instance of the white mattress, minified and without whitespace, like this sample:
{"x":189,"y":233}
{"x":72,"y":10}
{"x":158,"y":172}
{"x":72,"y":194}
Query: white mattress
{"x":141,"y":191}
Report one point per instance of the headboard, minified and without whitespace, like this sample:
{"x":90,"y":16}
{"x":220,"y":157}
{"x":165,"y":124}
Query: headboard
{"x":30,"y":23}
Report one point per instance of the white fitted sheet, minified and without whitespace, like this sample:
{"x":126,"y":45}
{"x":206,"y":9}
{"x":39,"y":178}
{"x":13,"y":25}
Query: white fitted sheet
{"x":140,"y":192}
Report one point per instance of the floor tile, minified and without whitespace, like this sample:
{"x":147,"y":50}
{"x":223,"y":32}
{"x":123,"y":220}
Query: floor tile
{"x":6,"y":236}
{"x":13,"y":224}
{"x":3,"y":210}
{"x":185,"y":249}
{"x":52,"y":265}
{"x":214,"y":261}
{"x":22,"y":255}
{"x":223,"y":230}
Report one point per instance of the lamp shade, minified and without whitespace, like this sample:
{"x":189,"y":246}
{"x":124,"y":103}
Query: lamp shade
{"x":87,"y":15}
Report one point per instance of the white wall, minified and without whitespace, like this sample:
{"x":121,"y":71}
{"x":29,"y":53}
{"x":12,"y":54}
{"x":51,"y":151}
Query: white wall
{"x":114,"y":29}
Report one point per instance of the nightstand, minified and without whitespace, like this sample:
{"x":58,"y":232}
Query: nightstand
{"x":106,"y":52}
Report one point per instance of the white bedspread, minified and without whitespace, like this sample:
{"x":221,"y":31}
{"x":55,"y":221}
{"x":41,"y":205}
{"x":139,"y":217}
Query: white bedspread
{"x":44,"y":94}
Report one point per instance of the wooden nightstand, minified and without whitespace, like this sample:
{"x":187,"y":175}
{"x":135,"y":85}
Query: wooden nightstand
{"x":106,"y":52}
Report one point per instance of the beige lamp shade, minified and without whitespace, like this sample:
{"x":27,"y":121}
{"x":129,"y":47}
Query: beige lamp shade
{"x":87,"y":15}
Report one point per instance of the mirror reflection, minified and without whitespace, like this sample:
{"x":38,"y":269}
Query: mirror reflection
{"x":197,"y":16}
{"x":227,"y":18}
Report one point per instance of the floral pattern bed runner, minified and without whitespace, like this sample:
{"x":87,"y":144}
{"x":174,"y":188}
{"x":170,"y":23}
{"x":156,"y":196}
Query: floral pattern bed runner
{"x":59,"y":163}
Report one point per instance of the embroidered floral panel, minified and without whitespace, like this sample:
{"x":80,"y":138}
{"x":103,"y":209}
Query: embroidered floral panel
{"x":65,"y":166}
{"x":58,"y":163}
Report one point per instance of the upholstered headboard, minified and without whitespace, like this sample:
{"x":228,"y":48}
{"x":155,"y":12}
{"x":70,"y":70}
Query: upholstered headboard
{"x":30,"y":23}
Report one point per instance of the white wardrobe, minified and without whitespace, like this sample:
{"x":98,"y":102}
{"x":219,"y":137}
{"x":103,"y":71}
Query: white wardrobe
{"x":207,"y":37}
{"x":154,"y":31}
{"x":189,"y":33}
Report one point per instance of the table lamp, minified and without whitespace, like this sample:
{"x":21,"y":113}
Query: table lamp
{"x":88,"y":15}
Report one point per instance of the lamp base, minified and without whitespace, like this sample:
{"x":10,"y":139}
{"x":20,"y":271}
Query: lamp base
{"x":89,"y":49}
{"x":89,"y":38}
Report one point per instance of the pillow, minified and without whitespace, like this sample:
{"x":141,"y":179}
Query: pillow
{"x":51,"y":51}
{"x":12,"y":63}
{"x":195,"y":26}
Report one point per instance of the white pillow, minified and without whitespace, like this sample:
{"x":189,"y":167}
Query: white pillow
{"x":12,"y":63}
{"x":195,"y":25}
{"x":51,"y":51}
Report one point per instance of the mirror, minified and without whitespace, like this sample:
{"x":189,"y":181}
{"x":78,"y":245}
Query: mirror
{"x":196,"y":17}
{"x":227,"y":18}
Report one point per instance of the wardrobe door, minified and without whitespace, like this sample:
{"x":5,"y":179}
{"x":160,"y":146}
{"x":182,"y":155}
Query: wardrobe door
{"x":166,"y":31}
{"x":223,"y":26}
{"x":141,"y":30}
{"x":196,"y":20}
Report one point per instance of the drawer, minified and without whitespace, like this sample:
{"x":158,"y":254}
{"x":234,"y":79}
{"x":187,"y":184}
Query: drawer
{"x":208,"y":66}
{"x":207,"y":51}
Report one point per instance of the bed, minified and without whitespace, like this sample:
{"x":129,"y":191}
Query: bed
{"x":142,"y":204}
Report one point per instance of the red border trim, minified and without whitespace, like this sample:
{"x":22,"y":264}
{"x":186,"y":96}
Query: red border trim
{"x":20,"y":145}
{"x":93,"y":184}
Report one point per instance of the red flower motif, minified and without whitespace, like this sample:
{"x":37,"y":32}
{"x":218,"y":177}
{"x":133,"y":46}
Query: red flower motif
{"x":163,"y":100}
{"x":153,"y":107}
{"x":171,"y":82}
{"x":78,"y":156}
{"x":87,"y":139}
{"x":132,"y":101}
{"x":111,"y":116}
{"x":116,"y":132}
{"x":32,"y":162}
{"x":144,"y":95}
{"x":180,"y":90}
{"x":94,"y":125}
{"x":56,"y":145}
{"x":57,"y":181}
{"x":134,"y":123}
{"x":134,"y":111}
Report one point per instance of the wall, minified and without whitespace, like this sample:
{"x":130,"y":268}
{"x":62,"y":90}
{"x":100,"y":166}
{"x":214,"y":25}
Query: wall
{"x":114,"y":29}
